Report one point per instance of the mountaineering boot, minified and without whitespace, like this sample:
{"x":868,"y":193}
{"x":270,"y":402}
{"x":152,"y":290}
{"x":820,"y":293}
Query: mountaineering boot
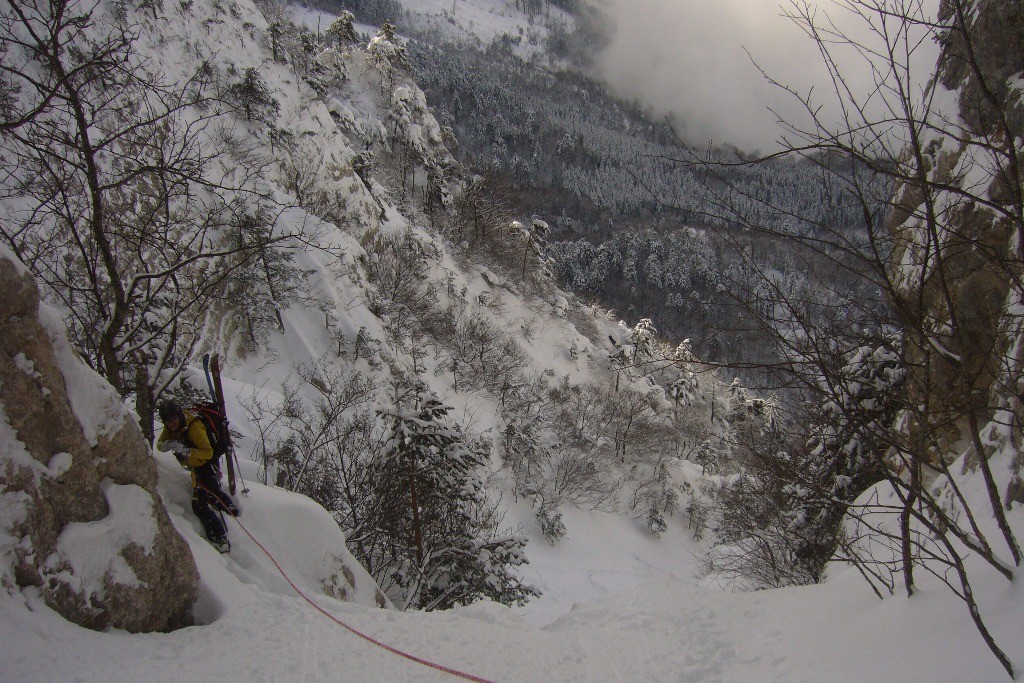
{"x":221,"y":544}
{"x":228,"y":506}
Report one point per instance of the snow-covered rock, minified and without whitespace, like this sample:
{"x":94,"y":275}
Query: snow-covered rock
{"x":79,"y":515}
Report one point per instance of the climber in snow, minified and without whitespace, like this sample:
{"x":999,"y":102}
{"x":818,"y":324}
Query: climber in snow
{"x":186,"y":436}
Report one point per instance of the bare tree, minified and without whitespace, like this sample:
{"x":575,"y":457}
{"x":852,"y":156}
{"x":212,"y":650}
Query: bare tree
{"x":110,"y":195}
{"x":936,"y":264}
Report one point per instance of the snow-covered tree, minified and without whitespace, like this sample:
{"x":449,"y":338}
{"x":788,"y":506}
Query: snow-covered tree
{"x":433,"y":511}
{"x":252,"y":95}
{"x":388,"y":55}
{"x":264,"y":280}
{"x":934,"y":260}
{"x":342,"y":30}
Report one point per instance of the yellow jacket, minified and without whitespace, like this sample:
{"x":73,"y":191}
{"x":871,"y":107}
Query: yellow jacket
{"x":194,"y":437}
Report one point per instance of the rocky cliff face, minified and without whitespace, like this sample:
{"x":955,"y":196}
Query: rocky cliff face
{"x":79,"y":516}
{"x":958,"y":222}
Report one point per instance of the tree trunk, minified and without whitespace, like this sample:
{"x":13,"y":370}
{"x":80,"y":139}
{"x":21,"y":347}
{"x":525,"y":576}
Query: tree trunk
{"x":414,"y":501}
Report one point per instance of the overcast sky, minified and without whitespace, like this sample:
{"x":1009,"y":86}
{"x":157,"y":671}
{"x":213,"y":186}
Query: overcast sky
{"x":688,"y":57}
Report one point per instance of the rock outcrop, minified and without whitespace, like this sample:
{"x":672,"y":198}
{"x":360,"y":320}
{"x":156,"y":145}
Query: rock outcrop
{"x":80,"y":519}
{"x":958,"y":233}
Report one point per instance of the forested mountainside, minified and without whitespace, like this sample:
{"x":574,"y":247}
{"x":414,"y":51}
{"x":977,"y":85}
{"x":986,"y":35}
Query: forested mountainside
{"x":639,"y":221}
{"x":619,"y":191}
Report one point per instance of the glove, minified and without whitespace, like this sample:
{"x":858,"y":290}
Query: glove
{"x":175,"y":447}
{"x":180,"y":450}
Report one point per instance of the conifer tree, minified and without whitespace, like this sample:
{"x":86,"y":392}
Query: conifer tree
{"x":253,"y":96}
{"x":433,"y":511}
{"x":342,"y":29}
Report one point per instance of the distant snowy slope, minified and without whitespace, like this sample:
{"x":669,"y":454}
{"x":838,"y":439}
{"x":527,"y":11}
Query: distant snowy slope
{"x":478,"y":22}
{"x":484,"y":21}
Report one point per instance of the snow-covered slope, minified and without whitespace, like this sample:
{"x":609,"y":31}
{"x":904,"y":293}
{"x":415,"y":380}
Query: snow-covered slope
{"x":487,"y":21}
{"x":257,"y":628}
{"x":474,"y":22}
{"x":299,"y":534}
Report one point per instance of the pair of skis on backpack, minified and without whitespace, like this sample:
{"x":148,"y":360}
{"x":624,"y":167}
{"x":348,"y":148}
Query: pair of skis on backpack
{"x":215,"y":416}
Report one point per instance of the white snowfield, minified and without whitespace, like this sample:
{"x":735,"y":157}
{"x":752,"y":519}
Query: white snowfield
{"x":477,"y":22}
{"x":256,"y":628}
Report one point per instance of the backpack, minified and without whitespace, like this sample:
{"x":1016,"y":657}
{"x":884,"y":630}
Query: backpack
{"x":216,"y":424}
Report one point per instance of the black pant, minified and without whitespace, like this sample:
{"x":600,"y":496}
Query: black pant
{"x":206,"y":497}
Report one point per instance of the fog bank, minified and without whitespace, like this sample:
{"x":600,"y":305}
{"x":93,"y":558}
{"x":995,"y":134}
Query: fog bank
{"x":690,"y":58}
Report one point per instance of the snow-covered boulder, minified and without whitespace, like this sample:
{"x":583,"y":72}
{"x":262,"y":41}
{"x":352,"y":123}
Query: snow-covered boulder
{"x":79,"y":517}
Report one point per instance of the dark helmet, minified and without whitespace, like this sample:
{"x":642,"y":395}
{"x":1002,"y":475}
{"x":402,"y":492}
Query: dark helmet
{"x":169,"y":409}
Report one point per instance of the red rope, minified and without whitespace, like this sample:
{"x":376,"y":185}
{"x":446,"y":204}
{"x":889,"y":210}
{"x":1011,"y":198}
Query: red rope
{"x":321,"y":610}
